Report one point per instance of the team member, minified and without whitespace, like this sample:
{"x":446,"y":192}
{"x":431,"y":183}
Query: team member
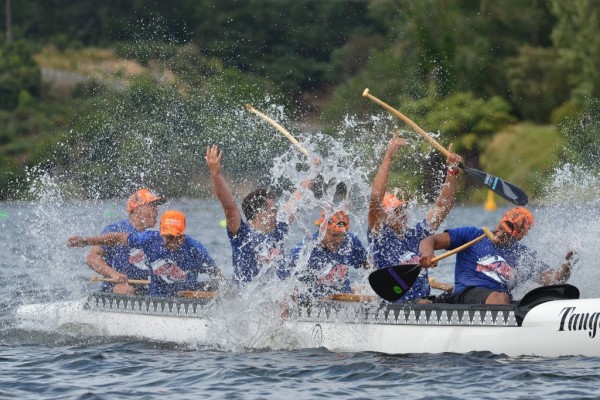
{"x":323,"y":259}
{"x":125,"y":262}
{"x":175,"y":259}
{"x":486,"y":272}
{"x":257,"y":245}
{"x":392,"y":241}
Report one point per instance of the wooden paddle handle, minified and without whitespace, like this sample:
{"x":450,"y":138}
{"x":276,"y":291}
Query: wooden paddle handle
{"x":279,"y":128}
{"x":193,"y":294}
{"x":407,"y":121}
{"x":132,"y":281}
{"x":486,"y":233}
{"x":352,"y":297}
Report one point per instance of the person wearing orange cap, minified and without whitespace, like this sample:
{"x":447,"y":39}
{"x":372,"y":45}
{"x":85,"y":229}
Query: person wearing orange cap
{"x":486,"y":272}
{"x":175,"y":259}
{"x":391,"y":240}
{"x":124,"y":262}
{"x":323,"y":259}
{"x":258,"y":244}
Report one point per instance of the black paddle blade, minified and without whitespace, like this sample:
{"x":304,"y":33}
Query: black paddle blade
{"x":499,"y":186}
{"x":391,"y":283}
{"x":543,"y":294}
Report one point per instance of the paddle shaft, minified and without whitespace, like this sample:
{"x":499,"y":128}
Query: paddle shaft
{"x":131,"y":281}
{"x":486,"y":233}
{"x":280,"y":128}
{"x":407,"y":121}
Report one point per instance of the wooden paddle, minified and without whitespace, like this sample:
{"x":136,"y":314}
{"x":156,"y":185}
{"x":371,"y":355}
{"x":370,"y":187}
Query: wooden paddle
{"x":391,"y":283}
{"x":193,"y":294}
{"x":439,"y":285}
{"x":499,"y":186}
{"x":351,"y":297}
{"x":280,"y":128}
{"x":130,"y":281}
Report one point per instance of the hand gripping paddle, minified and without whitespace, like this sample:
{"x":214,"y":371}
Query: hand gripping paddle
{"x":391,"y":283}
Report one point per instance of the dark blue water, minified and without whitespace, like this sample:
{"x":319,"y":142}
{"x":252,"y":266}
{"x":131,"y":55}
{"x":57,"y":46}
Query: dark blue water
{"x":35,"y":267}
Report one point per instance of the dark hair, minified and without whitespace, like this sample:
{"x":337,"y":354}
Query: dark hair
{"x":256,"y":201}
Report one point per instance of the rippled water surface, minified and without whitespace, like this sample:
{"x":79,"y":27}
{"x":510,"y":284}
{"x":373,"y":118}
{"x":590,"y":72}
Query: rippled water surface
{"x":36,"y":267}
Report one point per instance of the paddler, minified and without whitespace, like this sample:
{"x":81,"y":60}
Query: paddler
{"x":322,"y":260}
{"x":175,"y":259}
{"x":391,"y":240}
{"x":258,"y":244}
{"x":121,"y":263}
{"x":486,"y":272}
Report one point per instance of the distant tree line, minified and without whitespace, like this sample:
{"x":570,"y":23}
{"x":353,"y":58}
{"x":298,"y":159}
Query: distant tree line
{"x":463,"y":68}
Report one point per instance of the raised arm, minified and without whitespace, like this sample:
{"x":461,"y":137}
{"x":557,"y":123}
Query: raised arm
{"x":380,"y":182}
{"x":230,"y":208}
{"x":445,"y":200}
{"x":562,"y":274}
{"x":107,"y":239}
{"x":95,"y":260}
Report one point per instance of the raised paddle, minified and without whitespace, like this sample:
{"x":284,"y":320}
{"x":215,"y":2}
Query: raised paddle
{"x":391,"y":283}
{"x":280,"y":128}
{"x":132,"y":281}
{"x":499,"y":186}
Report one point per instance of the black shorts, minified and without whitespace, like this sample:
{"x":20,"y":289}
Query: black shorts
{"x":472,"y":295}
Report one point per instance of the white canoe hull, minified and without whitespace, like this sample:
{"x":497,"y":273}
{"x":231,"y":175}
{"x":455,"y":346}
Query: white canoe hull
{"x":555,"y":328}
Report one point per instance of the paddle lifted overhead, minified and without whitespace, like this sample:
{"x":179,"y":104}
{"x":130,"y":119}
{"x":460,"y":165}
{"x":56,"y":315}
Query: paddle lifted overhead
{"x":499,"y":186}
{"x":391,"y":240}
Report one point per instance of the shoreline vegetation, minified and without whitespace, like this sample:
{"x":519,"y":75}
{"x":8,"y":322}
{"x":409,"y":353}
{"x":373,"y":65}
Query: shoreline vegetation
{"x":128,"y":96}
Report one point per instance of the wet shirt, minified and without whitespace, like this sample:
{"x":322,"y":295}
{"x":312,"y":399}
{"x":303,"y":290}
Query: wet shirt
{"x":253,"y":251}
{"x":493,"y":267}
{"x":173,"y":270}
{"x":325,"y":271}
{"x":390,"y":249}
{"x":127,"y":260}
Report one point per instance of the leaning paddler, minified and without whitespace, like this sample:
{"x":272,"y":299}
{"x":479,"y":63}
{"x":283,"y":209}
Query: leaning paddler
{"x":121,"y":263}
{"x":175,"y":259}
{"x":258,"y":244}
{"x":391,"y":240}
{"x":486,"y":272}
{"x":322,"y":260}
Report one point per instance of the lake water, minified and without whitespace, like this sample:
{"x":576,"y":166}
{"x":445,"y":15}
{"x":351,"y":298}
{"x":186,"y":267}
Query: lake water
{"x":36,"y":267}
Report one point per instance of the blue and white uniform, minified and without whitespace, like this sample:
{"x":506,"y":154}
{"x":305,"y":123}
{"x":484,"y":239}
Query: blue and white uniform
{"x":127,"y":260}
{"x":389,"y":249}
{"x":252,"y":251}
{"x":325,"y":271}
{"x":494,"y":267}
{"x":173,"y":270}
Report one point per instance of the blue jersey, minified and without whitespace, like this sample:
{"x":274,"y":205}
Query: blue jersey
{"x":325,"y":271}
{"x":389,"y":249}
{"x":173,"y":270}
{"x":127,"y":260}
{"x":487,"y":265}
{"x":253,"y":251}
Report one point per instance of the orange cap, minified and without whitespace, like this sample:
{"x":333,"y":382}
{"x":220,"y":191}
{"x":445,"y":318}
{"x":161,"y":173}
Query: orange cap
{"x":517,"y":222}
{"x":172,"y":222}
{"x":391,"y":202}
{"x":141,"y":197}
{"x":339,"y":221}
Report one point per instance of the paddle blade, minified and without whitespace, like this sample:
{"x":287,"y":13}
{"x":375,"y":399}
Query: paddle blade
{"x":499,"y":186}
{"x":391,"y":283}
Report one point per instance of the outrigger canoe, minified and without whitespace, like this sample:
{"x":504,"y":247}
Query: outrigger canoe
{"x":540,"y":326}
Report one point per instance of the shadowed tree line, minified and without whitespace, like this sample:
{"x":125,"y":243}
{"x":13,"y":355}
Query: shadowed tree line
{"x":463,"y":68}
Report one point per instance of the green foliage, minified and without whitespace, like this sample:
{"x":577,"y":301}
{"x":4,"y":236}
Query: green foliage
{"x":18,"y":72}
{"x":581,"y":129}
{"x":537,"y":83}
{"x":576,"y":36}
{"x":525,"y":155}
